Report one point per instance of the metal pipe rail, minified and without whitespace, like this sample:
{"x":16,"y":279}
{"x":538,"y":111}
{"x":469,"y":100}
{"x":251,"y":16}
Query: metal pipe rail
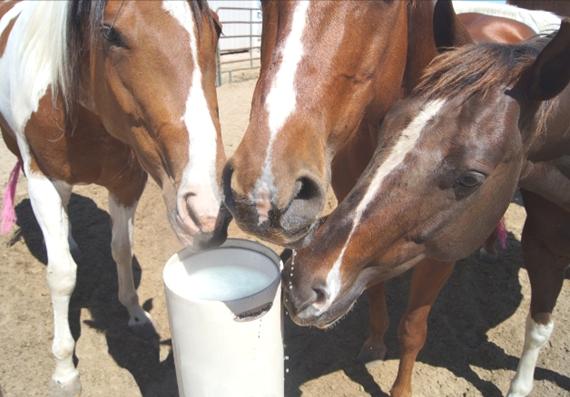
{"x":250,"y":61}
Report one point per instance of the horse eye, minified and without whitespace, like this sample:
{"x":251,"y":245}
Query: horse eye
{"x":113,"y":36}
{"x":470,"y":179}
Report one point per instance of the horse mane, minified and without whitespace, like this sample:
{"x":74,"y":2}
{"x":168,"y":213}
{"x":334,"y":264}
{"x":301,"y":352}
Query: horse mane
{"x":480,"y":69}
{"x":41,"y":52}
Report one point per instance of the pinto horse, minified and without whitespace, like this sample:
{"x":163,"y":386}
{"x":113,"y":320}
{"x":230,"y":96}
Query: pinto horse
{"x":88,"y":96}
{"x":485,"y":120}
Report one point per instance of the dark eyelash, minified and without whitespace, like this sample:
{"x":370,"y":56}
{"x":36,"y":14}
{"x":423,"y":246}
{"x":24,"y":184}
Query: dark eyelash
{"x":113,"y":36}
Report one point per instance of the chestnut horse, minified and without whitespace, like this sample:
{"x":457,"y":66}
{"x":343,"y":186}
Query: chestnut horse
{"x":88,"y":96}
{"x":321,"y":94}
{"x":330,"y":70}
{"x":485,"y":120}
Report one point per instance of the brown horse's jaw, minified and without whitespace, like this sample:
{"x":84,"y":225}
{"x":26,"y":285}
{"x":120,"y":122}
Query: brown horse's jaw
{"x":330,"y":313}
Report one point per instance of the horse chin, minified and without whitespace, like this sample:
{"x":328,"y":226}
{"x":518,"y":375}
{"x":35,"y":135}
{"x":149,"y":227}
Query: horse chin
{"x":187,"y":237}
{"x":301,"y":237}
{"x":290,"y":239}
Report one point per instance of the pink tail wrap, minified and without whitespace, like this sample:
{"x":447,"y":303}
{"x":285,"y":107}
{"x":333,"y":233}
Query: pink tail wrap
{"x":502,"y":234}
{"x":8,"y":216}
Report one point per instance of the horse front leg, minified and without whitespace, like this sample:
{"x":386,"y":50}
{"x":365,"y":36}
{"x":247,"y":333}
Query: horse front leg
{"x":374,"y":347}
{"x":48,"y":207}
{"x":546,"y":274}
{"x":428,"y":279}
{"x":122,"y":218}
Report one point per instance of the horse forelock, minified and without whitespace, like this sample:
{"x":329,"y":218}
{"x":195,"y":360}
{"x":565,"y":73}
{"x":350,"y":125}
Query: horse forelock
{"x":482,"y":69}
{"x":478,"y":68}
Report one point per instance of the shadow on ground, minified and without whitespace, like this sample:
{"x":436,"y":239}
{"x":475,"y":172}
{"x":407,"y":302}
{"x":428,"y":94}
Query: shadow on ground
{"x":479,"y":296}
{"x":96,"y":290}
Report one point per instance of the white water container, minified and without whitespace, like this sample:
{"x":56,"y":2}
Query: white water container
{"x":224,"y":309}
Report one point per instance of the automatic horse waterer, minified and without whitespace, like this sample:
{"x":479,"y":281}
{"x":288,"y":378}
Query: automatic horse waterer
{"x":224,"y":308}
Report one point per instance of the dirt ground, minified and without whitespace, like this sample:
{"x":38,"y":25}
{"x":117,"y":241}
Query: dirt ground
{"x":475,"y":335}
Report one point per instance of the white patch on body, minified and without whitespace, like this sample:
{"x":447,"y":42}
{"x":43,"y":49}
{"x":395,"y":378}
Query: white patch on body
{"x":405,"y":144}
{"x":281,"y":101}
{"x":199,"y":175}
{"x":536,"y":336}
{"x":32,"y":61}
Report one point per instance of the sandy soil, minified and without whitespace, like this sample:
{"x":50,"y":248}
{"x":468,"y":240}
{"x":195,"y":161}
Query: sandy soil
{"x":475,"y":336}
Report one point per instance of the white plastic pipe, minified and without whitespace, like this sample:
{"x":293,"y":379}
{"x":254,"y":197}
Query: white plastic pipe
{"x":224,"y":308}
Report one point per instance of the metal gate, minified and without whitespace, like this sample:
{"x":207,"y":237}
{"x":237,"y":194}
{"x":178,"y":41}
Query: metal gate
{"x":239,"y":46}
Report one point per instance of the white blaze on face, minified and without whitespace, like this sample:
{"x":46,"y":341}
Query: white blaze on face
{"x":199,"y":175}
{"x":405,"y":144}
{"x":282,"y":97}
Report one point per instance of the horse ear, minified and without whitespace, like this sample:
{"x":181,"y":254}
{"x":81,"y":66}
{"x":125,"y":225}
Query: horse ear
{"x":448,"y":31}
{"x":550,"y":72}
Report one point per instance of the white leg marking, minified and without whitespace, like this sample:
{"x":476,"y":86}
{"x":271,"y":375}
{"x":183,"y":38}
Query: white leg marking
{"x":64,"y":190}
{"x":535,"y":338}
{"x":405,"y":144}
{"x":282,"y":97}
{"x":199,"y":175}
{"x":121,"y":248}
{"x":61,"y":272}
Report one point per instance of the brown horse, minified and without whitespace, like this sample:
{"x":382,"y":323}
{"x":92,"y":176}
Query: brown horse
{"x":484,"y":120}
{"x":326,"y":82}
{"x":330,"y":70}
{"x":106,"y":92}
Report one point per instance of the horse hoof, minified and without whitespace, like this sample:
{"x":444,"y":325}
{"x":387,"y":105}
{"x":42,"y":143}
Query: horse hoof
{"x":372,"y":352}
{"x":400,"y":392}
{"x":519,"y":390}
{"x":143,"y":327}
{"x":70,"y":386}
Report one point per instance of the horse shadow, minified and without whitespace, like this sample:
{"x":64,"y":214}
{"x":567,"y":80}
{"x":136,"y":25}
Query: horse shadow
{"x":479,"y":296}
{"x":96,"y":290}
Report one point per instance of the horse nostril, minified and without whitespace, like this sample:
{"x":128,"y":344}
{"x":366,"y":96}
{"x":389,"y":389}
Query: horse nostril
{"x":321,"y":294}
{"x":306,"y":188}
{"x":305,"y":206}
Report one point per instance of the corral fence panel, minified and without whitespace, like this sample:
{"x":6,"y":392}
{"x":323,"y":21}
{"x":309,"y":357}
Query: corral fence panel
{"x":239,"y":46}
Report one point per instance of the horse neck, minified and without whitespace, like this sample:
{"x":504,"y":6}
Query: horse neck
{"x":548,"y":129}
{"x":411,"y":48}
{"x":421,"y":45}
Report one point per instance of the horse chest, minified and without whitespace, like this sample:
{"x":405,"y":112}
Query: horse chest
{"x":85,"y":155}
